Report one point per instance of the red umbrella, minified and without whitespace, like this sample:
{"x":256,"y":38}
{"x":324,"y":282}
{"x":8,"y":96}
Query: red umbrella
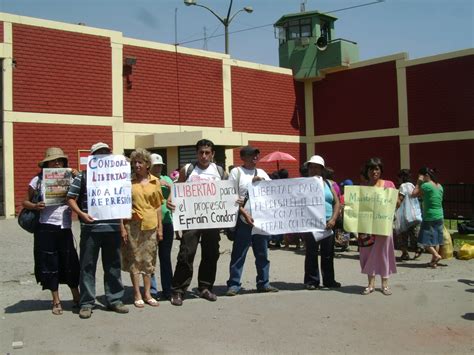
{"x":277,"y":156}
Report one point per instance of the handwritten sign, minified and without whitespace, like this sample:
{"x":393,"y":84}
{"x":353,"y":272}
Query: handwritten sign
{"x":205,"y":204}
{"x":55,"y":185}
{"x":288,"y":206}
{"x":369,"y":209}
{"x":109,"y":188}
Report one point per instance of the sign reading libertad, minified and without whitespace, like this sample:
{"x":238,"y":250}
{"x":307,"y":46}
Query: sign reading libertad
{"x":205,"y":204}
{"x":109,"y":188}
{"x":288,"y":205}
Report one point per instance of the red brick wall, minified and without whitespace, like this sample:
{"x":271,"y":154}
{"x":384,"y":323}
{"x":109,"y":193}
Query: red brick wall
{"x":356,"y":100}
{"x":297,"y":150}
{"x":29,"y":149}
{"x":61,"y":72}
{"x":454,"y":160}
{"x":159,"y":75}
{"x":264,"y":102}
{"x":441,"y":96}
{"x":347,"y":157}
{"x":1,"y":32}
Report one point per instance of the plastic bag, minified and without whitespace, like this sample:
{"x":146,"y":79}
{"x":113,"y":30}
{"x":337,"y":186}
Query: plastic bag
{"x":446,"y":250}
{"x":466,"y":252}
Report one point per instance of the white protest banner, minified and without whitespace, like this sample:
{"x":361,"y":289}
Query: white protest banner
{"x":205,"y":204}
{"x":288,"y":206}
{"x":56,"y":183}
{"x":109,"y":187}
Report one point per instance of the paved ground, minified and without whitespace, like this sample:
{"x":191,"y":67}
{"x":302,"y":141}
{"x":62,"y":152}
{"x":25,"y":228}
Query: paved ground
{"x":430,"y":311}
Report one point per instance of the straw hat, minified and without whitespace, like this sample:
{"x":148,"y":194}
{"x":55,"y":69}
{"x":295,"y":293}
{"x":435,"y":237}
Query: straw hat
{"x":98,"y":146}
{"x":52,"y":153}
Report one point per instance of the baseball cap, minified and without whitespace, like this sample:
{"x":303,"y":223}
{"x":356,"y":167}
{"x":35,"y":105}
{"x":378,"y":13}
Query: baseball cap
{"x":156,"y":159}
{"x":249,"y":150}
{"x":98,"y":146}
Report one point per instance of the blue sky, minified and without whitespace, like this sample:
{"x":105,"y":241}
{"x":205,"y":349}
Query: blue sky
{"x":419,"y":27}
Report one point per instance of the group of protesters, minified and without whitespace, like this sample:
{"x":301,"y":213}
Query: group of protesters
{"x":132,"y":245}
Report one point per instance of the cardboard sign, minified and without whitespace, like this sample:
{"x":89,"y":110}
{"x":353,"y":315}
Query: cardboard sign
{"x":205,"y":204}
{"x":55,"y":185}
{"x":109,"y":187}
{"x":369,"y":209}
{"x":288,"y":206}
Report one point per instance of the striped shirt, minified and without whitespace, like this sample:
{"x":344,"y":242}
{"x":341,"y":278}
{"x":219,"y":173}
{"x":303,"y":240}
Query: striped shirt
{"x":106,"y":225}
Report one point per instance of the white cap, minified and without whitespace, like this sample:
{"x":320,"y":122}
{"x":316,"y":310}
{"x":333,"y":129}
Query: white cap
{"x":316,"y":159}
{"x":98,"y":146}
{"x":156,"y":159}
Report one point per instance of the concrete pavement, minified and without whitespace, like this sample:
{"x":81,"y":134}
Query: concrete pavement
{"x":430,"y":311}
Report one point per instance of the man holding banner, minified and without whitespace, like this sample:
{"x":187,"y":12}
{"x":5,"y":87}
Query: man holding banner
{"x":101,"y":197}
{"x":244,"y":176}
{"x":204,"y":170}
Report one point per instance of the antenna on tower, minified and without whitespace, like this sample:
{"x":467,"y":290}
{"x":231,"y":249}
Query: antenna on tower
{"x":303,"y":6}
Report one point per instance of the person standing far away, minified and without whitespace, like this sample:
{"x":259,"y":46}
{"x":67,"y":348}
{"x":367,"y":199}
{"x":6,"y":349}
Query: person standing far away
{"x":165,"y":245}
{"x":245,"y":175}
{"x":203,"y":170}
{"x":105,"y":236}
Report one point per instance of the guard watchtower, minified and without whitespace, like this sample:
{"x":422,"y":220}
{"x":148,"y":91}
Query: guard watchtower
{"x":308,"y":45}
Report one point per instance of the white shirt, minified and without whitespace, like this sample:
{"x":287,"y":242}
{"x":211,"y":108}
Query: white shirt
{"x":244,"y":177}
{"x":57,"y":215}
{"x":198,"y":174}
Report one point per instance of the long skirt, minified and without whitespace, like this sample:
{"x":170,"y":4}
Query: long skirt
{"x":379,"y":258}
{"x":139,"y":253}
{"x":56,"y":260}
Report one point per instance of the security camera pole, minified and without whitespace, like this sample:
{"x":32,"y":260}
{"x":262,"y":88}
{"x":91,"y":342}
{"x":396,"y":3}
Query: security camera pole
{"x":224,"y":20}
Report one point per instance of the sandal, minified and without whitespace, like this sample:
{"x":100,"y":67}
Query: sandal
{"x":139,"y":303}
{"x":57,"y":309}
{"x":368,"y":290}
{"x":152,"y":302}
{"x":405,"y":257}
{"x":386,"y":291}
{"x":418,"y":253}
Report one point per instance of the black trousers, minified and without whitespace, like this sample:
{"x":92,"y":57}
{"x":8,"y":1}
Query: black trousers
{"x":311,"y":269}
{"x":183,"y":273}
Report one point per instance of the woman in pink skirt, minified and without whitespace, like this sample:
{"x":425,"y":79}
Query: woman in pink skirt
{"x":377,"y":254}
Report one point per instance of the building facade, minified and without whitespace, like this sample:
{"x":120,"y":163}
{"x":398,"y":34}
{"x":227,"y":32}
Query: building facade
{"x":72,"y":85}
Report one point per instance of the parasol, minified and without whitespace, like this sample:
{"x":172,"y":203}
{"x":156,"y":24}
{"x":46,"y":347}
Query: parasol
{"x":277,"y":156}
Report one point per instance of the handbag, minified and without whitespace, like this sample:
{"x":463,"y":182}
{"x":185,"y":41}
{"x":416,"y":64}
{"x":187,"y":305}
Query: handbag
{"x":29,"y":219}
{"x":365,"y":240}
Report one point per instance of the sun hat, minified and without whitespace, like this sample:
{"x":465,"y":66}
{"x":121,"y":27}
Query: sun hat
{"x":248,"y":150}
{"x":52,"y":153}
{"x":316,"y":159}
{"x":156,"y":159}
{"x":98,"y":146}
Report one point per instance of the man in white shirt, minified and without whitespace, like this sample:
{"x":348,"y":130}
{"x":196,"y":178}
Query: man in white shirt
{"x":203,"y":169}
{"x":246,"y":175}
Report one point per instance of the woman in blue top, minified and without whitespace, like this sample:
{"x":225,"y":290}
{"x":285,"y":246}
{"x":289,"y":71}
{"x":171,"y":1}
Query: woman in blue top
{"x":311,"y":271}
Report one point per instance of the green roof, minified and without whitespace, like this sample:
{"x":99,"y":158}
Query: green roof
{"x":287,"y":17}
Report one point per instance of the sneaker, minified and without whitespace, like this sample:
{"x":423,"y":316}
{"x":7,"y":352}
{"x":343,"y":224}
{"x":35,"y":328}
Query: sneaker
{"x":176,"y":299}
{"x":85,"y":312}
{"x":118,"y":308}
{"x":311,"y":287}
{"x":208,"y":295}
{"x":232,"y":291}
{"x":267,"y":289}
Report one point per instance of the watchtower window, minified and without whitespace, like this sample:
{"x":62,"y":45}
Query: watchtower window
{"x":325,"y":31}
{"x":294,"y":29}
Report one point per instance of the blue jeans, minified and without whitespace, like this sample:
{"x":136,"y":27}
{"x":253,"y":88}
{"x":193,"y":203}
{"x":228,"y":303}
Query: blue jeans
{"x":91,"y":243}
{"x":164,"y":255}
{"x":243,"y":240}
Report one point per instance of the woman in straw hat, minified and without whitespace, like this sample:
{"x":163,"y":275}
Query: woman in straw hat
{"x":56,"y":260}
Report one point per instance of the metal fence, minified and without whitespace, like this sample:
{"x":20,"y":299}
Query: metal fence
{"x":458,"y":201}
